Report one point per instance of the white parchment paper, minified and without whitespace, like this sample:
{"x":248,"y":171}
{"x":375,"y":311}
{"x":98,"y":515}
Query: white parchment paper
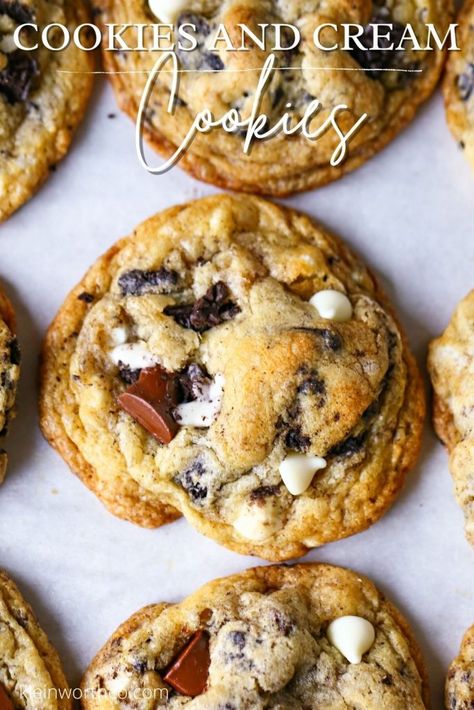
{"x":409,"y":212}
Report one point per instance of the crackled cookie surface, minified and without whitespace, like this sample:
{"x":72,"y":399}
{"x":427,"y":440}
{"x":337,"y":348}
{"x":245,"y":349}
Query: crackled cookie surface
{"x":261,"y":640}
{"x":43,"y":95}
{"x":9,"y":372}
{"x":31,"y":676}
{"x":225,"y":80}
{"x":459,"y":84}
{"x":451,"y":366}
{"x":460,"y":680}
{"x":191,"y":371}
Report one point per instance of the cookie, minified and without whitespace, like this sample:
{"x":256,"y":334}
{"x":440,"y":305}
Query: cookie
{"x":9,"y":372}
{"x":189,"y":372}
{"x":31,"y":675}
{"x":271,"y":637}
{"x":460,"y":680}
{"x":452,"y":373}
{"x":459,"y":84}
{"x":43,"y":96}
{"x":225,"y":80}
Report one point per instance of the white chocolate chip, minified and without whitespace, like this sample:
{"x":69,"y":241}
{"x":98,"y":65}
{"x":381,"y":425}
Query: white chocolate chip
{"x":352,"y":636}
{"x":119,"y":335}
{"x":297,"y":471}
{"x":332,"y":305}
{"x":204,"y":410}
{"x":167,"y":11}
{"x":256,"y":522}
{"x":133,"y":355}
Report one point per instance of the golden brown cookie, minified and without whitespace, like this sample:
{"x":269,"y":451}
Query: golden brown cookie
{"x":189,"y":371}
{"x":9,"y":372}
{"x":227,"y":79}
{"x":460,"y":680}
{"x":459,"y":83}
{"x":451,"y":367}
{"x":31,"y":675}
{"x":43,"y":96}
{"x":264,"y":639}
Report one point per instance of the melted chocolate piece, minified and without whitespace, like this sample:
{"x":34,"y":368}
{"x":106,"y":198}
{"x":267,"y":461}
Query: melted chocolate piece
{"x":5,"y":702}
{"x":465,"y":83}
{"x":16,"y":78}
{"x":150,"y":402}
{"x":137,"y":282}
{"x":189,"y":672}
{"x":210,"y":310}
{"x":384,"y":58}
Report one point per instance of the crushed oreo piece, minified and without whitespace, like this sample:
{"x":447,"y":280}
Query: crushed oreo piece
{"x":137,"y":282}
{"x":213,"y":61}
{"x":285,"y":625}
{"x":312,"y":384}
{"x":192,"y":382}
{"x":372,"y":60}
{"x":210,"y":310}
{"x":465,"y":83}
{"x":15,"y":354}
{"x":16,"y":78}
{"x":296,"y":441}
{"x":18,"y":12}
{"x":86,"y":297}
{"x":128,"y":375}
{"x":190,"y":481}
{"x":263,"y":492}
{"x":350,"y":446}
{"x":331,"y":340}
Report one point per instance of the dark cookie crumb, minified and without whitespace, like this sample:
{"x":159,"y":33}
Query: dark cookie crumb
{"x":128,"y":375}
{"x":137,"y":282}
{"x":350,"y":446}
{"x":16,"y":78}
{"x":15,"y":354}
{"x":296,"y":441}
{"x":260,"y":494}
{"x":210,"y":310}
{"x":18,"y":12}
{"x":192,"y":382}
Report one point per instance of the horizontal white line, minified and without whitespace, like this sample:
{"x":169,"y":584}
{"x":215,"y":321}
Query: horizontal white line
{"x":239,"y":71}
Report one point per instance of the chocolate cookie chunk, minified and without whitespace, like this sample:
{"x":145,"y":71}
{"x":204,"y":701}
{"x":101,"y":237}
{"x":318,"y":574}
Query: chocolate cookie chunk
{"x":43,"y":96}
{"x":265,"y":638}
{"x":451,"y":368}
{"x":9,"y":373}
{"x":459,"y":84}
{"x":270,"y":397}
{"x":31,"y":674}
{"x":388,"y":85}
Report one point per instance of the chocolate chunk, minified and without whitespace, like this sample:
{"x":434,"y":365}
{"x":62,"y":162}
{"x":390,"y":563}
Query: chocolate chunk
{"x":128,"y":375}
{"x":189,"y":673}
{"x":15,"y":354}
{"x":210,"y":310}
{"x":18,"y":12}
{"x":190,"y":481}
{"x":465,"y":83}
{"x":136,"y":282}
{"x":150,"y":402}
{"x":16,"y":78}
{"x":86,"y":297}
{"x":192,"y":382}
{"x":349,"y":446}
{"x":5,"y":702}
{"x":375,"y":59}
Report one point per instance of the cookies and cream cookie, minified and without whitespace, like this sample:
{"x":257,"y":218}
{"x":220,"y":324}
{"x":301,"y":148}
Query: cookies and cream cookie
{"x":9,"y":372}
{"x":308,"y":636}
{"x":459,"y":83}
{"x":451,"y":367}
{"x":234,"y":362}
{"x":460,"y":680}
{"x":43,"y":95}
{"x":31,"y":676}
{"x":387,"y":85}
